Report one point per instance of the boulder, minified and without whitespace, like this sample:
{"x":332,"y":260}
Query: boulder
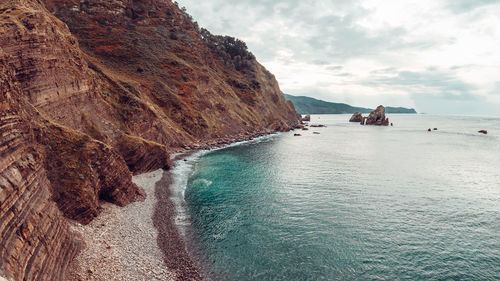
{"x":483,"y":132}
{"x":377,"y":117}
{"x":297,"y":135}
{"x":356,"y":117}
{"x":429,"y":130}
{"x":306,"y":118}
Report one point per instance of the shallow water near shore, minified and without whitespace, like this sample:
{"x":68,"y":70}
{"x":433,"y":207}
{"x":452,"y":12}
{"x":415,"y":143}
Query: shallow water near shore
{"x":352,"y":203}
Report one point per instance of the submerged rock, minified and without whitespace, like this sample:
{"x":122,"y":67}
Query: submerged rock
{"x":377,"y":117}
{"x":356,"y":117}
{"x":483,"y":132}
{"x":297,"y":135}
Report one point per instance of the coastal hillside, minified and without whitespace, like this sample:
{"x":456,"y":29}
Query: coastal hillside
{"x":93,"y":92}
{"x":307,"y":105}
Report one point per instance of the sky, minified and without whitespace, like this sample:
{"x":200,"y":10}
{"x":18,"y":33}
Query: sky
{"x":437,"y":56}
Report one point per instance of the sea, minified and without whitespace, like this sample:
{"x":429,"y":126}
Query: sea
{"x":350,"y":203}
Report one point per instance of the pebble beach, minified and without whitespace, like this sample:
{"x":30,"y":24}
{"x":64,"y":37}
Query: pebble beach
{"x":122,"y":242}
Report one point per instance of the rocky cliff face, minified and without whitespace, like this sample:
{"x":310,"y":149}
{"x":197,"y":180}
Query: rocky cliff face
{"x":35,"y":243}
{"x":202,"y":87}
{"x":94,"y":91}
{"x":48,"y":172}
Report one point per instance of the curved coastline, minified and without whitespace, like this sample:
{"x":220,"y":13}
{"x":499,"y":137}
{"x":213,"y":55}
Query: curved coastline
{"x":146,"y":240}
{"x":170,"y":216}
{"x":121,"y":242}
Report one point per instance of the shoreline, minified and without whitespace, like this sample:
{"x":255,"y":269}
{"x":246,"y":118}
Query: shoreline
{"x":142,"y":241}
{"x":167,"y":214}
{"x":121,"y":243}
{"x":173,"y":246}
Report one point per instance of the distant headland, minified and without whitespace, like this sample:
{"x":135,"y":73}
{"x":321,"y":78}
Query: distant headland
{"x":307,"y":105}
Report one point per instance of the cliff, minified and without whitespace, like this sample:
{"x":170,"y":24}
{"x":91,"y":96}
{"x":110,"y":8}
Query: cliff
{"x":94,"y":91}
{"x":307,"y":105}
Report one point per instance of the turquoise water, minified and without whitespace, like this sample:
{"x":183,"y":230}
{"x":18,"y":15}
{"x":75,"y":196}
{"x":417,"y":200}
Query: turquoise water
{"x":353,"y":203}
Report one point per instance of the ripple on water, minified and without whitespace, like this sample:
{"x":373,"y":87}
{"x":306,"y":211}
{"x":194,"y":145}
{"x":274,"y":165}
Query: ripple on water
{"x":354,"y":203}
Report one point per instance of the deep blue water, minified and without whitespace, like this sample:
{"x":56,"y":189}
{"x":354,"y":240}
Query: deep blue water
{"x":353,"y":203}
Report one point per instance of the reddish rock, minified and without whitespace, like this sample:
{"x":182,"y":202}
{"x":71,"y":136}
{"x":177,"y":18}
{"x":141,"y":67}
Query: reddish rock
{"x":356,"y":117}
{"x":377,"y":117}
{"x":297,"y":135}
{"x":306,"y":118}
{"x":483,"y":132}
{"x":35,"y":241}
{"x":100,"y":90}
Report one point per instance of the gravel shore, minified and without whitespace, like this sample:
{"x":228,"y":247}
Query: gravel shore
{"x":122,"y":243}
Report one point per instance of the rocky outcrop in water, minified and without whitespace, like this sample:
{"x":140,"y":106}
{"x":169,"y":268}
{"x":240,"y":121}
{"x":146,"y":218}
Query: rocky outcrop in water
{"x":92,"y":92}
{"x":356,"y":117}
{"x":377,"y":117}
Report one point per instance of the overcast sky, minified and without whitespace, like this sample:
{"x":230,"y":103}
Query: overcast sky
{"x":438,"y":56}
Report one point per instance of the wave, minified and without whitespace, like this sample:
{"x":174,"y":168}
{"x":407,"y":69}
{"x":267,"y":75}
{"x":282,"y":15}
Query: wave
{"x":183,"y":167}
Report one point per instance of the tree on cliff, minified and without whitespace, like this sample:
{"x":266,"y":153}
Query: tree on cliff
{"x":233,"y":51}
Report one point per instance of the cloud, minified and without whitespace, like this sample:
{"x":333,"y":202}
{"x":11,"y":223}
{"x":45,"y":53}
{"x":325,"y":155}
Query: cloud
{"x":364,"y":51}
{"x":443,"y":83}
{"x":462,"y":6}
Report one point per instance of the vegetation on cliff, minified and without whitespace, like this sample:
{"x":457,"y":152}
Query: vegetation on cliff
{"x":94,"y":91}
{"x":307,"y":105}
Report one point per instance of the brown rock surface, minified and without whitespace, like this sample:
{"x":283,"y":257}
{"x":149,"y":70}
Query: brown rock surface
{"x":377,"y":117}
{"x":356,"y":117}
{"x":35,"y":242}
{"x":99,"y":90}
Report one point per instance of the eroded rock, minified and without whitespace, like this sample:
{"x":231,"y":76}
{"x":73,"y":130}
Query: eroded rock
{"x":356,"y":117}
{"x":377,"y":117}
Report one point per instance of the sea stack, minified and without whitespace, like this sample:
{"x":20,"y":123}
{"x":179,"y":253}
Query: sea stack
{"x":356,"y":117}
{"x":377,"y":117}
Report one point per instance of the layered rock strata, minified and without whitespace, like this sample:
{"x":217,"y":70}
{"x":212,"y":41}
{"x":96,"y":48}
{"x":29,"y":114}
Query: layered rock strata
{"x":92,"y":92}
{"x":35,"y":243}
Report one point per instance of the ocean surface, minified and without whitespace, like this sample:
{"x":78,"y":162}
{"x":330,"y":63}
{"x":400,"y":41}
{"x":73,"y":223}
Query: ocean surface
{"x":351,"y":203}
